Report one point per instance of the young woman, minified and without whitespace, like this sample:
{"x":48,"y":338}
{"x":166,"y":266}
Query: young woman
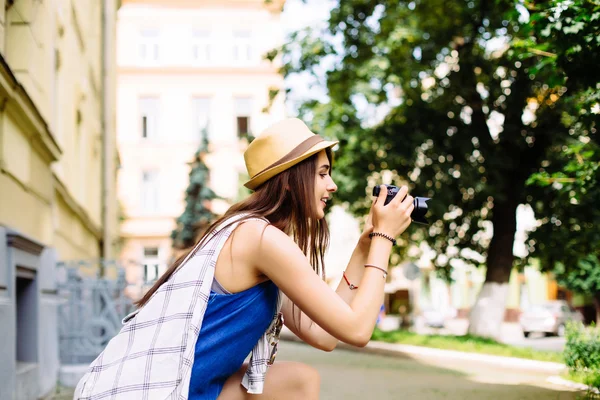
{"x":259,"y":264}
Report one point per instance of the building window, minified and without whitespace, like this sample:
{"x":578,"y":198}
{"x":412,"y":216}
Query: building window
{"x":148,"y":108}
{"x":242,"y":46}
{"x":151,"y":264}
{"x":149,"y":45}
{"x":150,"y":191}
{"x":201,"y":118}
{"x":201,"y":46}
{"x":243,"y":111}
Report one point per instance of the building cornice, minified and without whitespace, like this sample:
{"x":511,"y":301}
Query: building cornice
{"x":79,"y":211}
{"x":271,"y":5}
{"x":18,"y":241}
{"x":177,"y":70}
{"x":18,"y":102}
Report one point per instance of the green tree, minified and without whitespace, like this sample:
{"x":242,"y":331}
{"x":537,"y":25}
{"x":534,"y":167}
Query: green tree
{"x":567,"y":241}
{"x":567,"y":35}
{"x":438,"y":93}
{"x":197,"y":214}
{"x":582,"y":276}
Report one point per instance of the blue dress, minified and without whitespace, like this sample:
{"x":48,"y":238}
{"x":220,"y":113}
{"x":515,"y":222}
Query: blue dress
{"x":232,"y":325}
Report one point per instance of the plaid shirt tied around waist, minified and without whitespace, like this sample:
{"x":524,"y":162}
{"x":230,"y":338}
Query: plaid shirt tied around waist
{"x":152,"y":356}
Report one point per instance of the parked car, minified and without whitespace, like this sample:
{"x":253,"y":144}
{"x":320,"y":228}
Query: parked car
{"x":549,"y":318}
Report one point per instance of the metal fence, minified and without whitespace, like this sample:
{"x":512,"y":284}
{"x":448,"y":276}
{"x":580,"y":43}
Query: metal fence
{"x":92,"y":307}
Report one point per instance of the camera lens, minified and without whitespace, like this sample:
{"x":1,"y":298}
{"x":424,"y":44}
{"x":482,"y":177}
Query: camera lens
{"x":420,"y":203}
{"x":418,"y":214}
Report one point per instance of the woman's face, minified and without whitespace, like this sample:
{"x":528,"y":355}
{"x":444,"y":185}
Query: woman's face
{"x":324,"y":185}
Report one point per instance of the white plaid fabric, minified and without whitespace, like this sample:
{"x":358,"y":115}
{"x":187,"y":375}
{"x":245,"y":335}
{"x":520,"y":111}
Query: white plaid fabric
{"x":152,"y":356}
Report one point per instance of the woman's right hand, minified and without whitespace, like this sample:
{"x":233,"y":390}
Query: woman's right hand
{"x":393,"y":218}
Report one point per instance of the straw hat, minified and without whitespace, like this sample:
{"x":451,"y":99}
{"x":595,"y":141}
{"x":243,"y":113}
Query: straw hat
{"x":280,"y":147}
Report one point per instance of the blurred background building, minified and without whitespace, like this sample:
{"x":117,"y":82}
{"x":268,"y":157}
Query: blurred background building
{"x":187,"y":69}
{"x":57,"y":171}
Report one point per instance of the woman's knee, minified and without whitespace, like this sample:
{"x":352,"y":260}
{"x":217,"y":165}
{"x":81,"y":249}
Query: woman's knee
{"x":289,"y":380}
{"x":307,"y":380}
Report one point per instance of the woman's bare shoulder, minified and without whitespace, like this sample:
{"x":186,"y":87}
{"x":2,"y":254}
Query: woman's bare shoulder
{"x":250,"y":227}
{"x":256,"y":229}
{"x":258,"y":236}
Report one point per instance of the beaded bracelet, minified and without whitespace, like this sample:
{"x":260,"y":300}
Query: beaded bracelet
{"x":388,"y":237}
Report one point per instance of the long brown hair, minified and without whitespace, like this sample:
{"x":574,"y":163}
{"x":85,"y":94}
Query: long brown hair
{"x":287,"y":201}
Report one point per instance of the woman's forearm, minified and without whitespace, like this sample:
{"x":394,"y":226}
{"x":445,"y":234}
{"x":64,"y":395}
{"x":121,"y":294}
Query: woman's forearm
{"x":367,"y":301}
{"x":319,"y":337}
{"x":315,"y":335}
{"x":354,"y":270}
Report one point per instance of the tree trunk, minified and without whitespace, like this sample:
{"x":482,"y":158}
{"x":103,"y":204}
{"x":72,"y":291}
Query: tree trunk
{"x":597,"y":305}
{"x":487,"y":314}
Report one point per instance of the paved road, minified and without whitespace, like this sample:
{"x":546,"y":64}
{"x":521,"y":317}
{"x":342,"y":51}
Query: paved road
{"x":350,"y":375}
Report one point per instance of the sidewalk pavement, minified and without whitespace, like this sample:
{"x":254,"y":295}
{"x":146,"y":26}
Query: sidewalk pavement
{"x":427,"y":354}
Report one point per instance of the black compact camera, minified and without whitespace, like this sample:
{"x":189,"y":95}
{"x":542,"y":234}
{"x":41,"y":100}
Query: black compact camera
{"x":420,"y":203}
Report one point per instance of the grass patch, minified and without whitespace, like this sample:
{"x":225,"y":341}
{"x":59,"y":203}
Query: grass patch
{"x":582,"y":354}
{"x":466,"y":343}
{"x":579,"y":377}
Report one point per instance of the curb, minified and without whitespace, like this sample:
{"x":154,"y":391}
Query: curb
{"x":404,"y":350}
{"x":557,"y":380}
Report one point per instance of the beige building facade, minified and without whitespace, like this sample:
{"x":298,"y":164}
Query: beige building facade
{"x":57,"y":171}
{"x":53,"y":126}
{"x":187,"y":68}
